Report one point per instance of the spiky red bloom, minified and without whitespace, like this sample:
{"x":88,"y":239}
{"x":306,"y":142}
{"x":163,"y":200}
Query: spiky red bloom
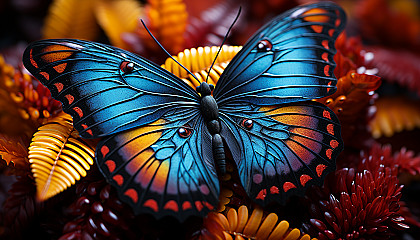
{"x":359,"y":205}
{"x":362,"y":202}
{"x":402,"y":161}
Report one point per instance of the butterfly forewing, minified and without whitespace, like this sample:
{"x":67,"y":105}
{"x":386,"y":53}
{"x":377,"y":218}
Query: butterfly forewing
{"x":289,"y":59}
{"x":105,"y":89}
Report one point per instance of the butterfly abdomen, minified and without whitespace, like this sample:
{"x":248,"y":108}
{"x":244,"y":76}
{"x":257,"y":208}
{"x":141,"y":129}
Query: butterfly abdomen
{"x":210,"y":112}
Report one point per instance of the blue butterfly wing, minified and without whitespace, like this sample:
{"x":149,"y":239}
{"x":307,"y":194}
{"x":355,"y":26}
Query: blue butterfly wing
{"x":288,"y":148}
{"x":289,"y":59}
{"x":88,"y":78}
{"x":157,"y":171}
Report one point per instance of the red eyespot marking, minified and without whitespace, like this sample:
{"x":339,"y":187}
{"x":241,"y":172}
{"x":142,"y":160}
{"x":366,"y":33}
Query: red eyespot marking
{"x":184,"y":132}
{"x":79,"y":111}
{"x":262,"y":194}
{"x":328,"y":153}
{"x":320,"y":169}
{"x":31,"y":58}
{"x":186,"y":205}
{"x":204,"y":189}
{"x":257,"y":178}
{"x":59,"y":86}
{"x":60,"y":67}
{"x":46,"y":75}
{"x":151,"y":203}
{"x":304,"y":179}
{"x":247,"y":124}
{"x":334,"y":143}
{"x":131,"y":193}
{"x":325,"y":56}
{"x":111,"y":165}
{"x":325,"y":44}
{"x":331,"y":32}
{"x":264,"y":46}
{"x":288,"y":185}
{"x":327,"y":70}
{"x":118,"y":179}
{"x":127,"y":67}
{"x":199,"y":205}
{"x":208,"y":205}
{"x":70,"y":98}
{"x":317,"y":28}
{"x":274,"y":190}
{"x":330,"y":129}
{"x":104,"y":150}
{"x":326,"y":114}
{"x":171,"y":205}
{"x":88,"y":131}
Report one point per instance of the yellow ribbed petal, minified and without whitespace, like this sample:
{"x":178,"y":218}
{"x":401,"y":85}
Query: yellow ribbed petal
{"x":242,"y":218}
{"x":57,"y":157}
{"x":118,"y":17}
{"x":71,"y":19}
{"x":293,"y":235}
{"x":267,"y":226}
{"x":233,"y":219}
{"x":253,"y":223}
{"x":279,"y":231}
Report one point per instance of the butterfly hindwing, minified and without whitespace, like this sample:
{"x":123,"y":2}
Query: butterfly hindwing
{"x":101,"y":92}
{"x":158,"y":171}
{"x":289,"y":59}
{"x":286,"y":148}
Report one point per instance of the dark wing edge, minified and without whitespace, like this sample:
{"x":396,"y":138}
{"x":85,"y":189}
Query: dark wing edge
{"x":289,"y":147}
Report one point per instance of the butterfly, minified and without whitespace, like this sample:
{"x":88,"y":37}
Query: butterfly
{"x":163,"y":141}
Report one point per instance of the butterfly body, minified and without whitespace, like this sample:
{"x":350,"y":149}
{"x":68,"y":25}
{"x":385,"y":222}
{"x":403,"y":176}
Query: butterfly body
{"x":210,"y":112}
{"x":162,"y":141}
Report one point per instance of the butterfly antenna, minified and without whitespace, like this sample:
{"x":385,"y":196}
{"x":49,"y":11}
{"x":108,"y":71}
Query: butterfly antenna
{"x":160,"y":45}
{"x":223,"y":42}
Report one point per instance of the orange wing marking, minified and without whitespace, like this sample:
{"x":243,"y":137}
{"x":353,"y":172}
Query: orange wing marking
{"x":31,"y":58}
{"x":274,"y":190}
{"x":131,"y":193}
{"x":304,"y":179}
{"x":262,"y":194}
{"x":186,"y":205}
{"x":118,"y":179}
{"x":59,"y":86}
{"x":151,"y":203}
{"x":288,"y":185}
{"x":111,"y":165}
{"x":60,"y":67}
{"x":171,"y":205}
{"x":320,"y":169}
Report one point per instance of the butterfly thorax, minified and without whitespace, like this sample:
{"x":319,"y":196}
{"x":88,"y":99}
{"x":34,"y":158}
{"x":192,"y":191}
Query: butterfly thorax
{"x":209,"y":108}
{"x":210,"y":112}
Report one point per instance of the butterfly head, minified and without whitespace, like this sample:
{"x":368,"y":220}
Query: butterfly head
{"x":205,"y":89}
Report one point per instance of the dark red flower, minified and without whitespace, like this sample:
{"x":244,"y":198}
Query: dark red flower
{"x":360,"y":205}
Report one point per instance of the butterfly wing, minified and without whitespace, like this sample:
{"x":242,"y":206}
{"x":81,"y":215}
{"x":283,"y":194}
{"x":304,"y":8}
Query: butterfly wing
{"x":287,"y":148}
{"x":289,"y":59}
{"x":160,"y":171}
{"x":98,"y":88}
